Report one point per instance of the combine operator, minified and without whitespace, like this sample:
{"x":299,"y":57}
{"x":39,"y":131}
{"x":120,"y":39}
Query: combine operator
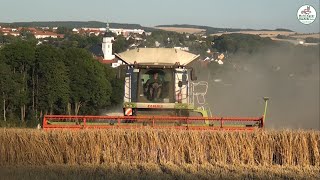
{"x":153,"y":87}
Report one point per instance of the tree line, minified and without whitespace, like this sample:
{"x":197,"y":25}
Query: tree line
{"x":42,"y":79}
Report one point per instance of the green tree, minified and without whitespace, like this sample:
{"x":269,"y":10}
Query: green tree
{"x":20,"y":57}
{"x":8,"y":88}
{"x":26,"y":34}
{"x":90,"y":87}
{"x":100,"y":96}
{"x":120,"y":44}
{"x":77,"y":63}
{"x":63,"y":30}
{"x":53,"y":78}
{"x":240,"y":43}
{"x":38,"y":80}
{"x":117,"y":91}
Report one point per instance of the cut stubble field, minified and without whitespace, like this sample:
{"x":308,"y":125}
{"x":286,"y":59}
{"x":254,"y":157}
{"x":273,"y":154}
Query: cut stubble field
{"x":159,"y":154}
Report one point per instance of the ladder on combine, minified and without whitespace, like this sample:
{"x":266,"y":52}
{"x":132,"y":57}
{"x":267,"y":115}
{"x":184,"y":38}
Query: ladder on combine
{"x":197,"y":98}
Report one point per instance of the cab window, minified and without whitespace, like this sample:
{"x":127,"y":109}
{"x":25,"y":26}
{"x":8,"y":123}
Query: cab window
{"x":156,"y":86}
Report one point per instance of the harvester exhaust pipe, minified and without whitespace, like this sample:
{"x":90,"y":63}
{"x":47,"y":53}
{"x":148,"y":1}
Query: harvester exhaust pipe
{"x":266,"y":99}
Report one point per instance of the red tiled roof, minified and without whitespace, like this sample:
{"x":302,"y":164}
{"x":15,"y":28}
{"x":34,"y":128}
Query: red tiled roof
{"x":107,"y":61}
{"x":93,"y":30}
{"x":32,"y":29}
{"x":5,"y":30}
{"x":103,"y":61}
{"x":48,"y":33}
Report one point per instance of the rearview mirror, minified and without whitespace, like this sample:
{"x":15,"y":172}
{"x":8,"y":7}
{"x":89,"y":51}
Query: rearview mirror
{"x":121,"y":72}
{"x":193,"y":75}
{"x":184,"y":77}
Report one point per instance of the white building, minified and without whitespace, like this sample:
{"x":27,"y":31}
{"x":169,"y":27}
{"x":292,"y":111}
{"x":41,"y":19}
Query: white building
{"x":107,"y":49}
{"x":126,"y":31}
{"x":74,"y":30}
{"x":182,"y":48}
{"x":46,"y":34}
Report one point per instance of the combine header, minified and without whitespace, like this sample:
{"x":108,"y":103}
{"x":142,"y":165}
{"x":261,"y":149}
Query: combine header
{"x":159,"y":92}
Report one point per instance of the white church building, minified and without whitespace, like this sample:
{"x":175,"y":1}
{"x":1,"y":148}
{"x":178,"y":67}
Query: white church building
{"x":108,"y":57}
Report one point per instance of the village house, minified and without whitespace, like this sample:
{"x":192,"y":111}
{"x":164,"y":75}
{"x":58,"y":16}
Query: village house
{"x":46,"y":34}
{"x":38,"y":33}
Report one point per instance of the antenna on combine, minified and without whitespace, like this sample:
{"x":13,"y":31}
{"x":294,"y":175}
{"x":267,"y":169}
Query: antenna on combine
{"x":266,"y":99}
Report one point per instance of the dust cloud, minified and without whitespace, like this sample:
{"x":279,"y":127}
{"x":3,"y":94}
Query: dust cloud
{"x":289,"y":75}
{"x":112,"y":111}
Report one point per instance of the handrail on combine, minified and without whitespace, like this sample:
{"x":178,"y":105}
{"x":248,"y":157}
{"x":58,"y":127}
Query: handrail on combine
{"x":196,"y":95}
{"x":159,"y":122}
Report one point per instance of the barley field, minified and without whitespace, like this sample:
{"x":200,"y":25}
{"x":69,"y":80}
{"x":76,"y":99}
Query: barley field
{"x":158,"y":154}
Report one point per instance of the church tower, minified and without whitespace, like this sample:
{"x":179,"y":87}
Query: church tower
{"x":107,"y":44}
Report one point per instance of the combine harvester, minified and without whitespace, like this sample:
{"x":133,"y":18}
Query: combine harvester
{"x":160,"y":91}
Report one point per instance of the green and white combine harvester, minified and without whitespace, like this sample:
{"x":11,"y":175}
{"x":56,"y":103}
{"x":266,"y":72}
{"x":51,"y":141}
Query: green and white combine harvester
{"x":160,"y":91}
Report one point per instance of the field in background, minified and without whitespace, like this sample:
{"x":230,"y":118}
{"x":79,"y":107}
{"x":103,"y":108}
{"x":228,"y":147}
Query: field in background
{"x":196,"y":30}
{"x":260,"y":33}
{"x":159,"y":154}
{"x":182,"y":30}
{"x":303,"y":36}
{"x":271,"y":34}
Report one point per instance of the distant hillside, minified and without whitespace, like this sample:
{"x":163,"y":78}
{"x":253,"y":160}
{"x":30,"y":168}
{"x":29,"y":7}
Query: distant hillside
{"x":98,"y":24}
{"x":75,"y":24}
{"x":214,"y":30}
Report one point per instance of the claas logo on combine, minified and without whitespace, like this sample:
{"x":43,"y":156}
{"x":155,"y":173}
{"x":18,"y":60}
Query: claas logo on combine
{"x":155,"y":106}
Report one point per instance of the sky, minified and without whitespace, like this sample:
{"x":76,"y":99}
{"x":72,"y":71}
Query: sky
{"x":255,"y":14}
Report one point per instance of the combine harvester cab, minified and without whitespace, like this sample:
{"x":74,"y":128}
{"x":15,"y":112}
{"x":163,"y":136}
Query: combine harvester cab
{"x":159,"y":92}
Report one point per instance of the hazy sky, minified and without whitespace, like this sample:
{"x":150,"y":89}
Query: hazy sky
{"x":257,"y":14}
